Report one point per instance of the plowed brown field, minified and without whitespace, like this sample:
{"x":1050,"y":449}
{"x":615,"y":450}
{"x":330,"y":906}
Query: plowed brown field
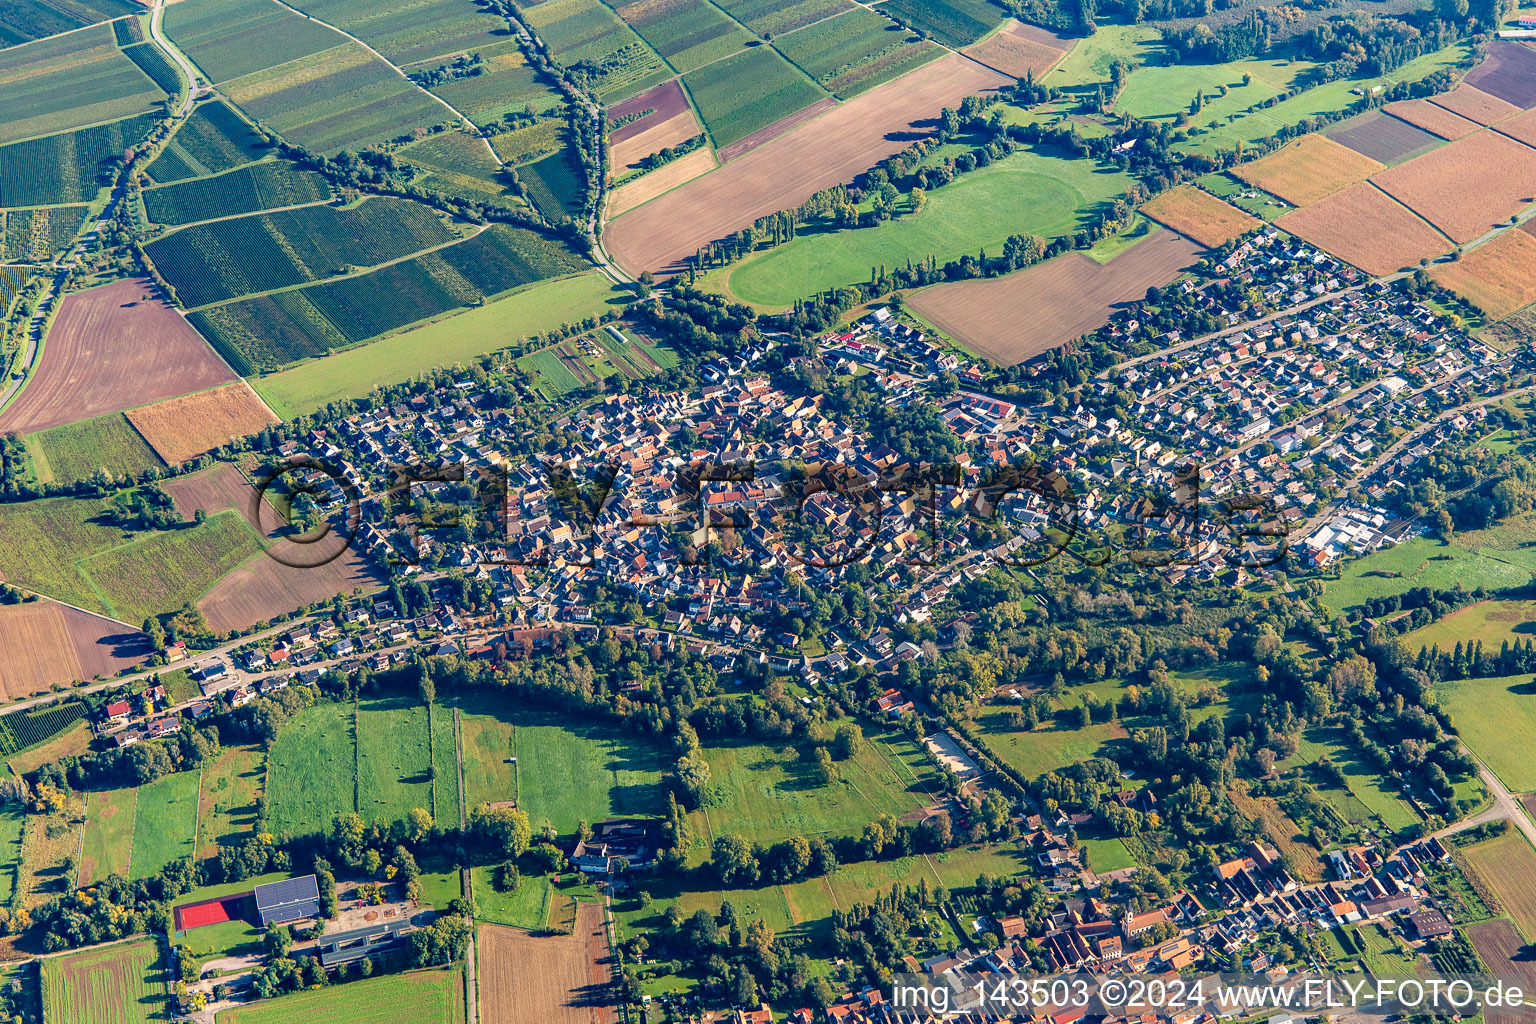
{"x":49,"y":643}
{"x":1013,"y":51}
{"x":549,"y":979}
{"x":109,"y":349}
{"x":660,"y":181}
{"x":1468,"y":187}
{"x":1472,"y":103}
{"x":1364,"y":227}
{"x":184,"y":428}
{"x":826,"y":151}
{"x":1502,"y":950}
{"x":1010,"y":319}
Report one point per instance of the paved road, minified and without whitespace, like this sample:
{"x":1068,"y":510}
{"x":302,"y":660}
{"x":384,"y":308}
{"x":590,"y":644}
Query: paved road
{"x":1505,"y":805}
{"x":156,"y":15}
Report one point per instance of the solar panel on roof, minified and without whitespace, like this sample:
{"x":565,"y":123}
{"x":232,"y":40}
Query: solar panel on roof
{"x":288,"y":890}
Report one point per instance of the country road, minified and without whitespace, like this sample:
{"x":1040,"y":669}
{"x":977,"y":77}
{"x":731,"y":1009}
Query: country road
{"x":156,"y":15}
{"x":1505,"y":805}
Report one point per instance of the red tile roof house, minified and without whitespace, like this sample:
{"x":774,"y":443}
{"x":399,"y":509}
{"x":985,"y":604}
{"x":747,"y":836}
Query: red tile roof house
{"x":118,"y":711}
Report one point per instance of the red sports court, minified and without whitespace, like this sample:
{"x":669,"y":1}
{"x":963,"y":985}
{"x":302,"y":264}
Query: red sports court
{"x":196,"y":915}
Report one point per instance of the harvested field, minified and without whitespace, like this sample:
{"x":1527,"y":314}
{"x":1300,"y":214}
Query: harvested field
{"x":1498,"y":278}
{"x":1310,"y":169}
{"x":1475,"y":105}
{"x":1509,"y":73}
{"x":782,"y":126}
{"x":1502,"y":950}
{"x":50,"y":643}
{"x":659,"y":104}
{"x":1508,"y":866}
{"x":830,"y":149}
{"x":109,"y":349}
{"x":1383,"y":138}
{"x":669,"y":122}
{"x":1467,"y":187}
{"x":664,"y":179}
{"x":266,"y":586}
{"x":554,"y":979}
{"x":1283,"y":831}
{"x":1200,"y":215}
{"x":1020,"y":50}
{"x":184,"y":428}
{"x":1521,"y":127}
{"x":1368,"y":229}
{"x":1013,"y":318}
{"x":1437,"y":120}
{"x":627,"y":155}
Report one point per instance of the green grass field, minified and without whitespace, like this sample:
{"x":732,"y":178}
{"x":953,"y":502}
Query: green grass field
{"x":1492,"y":622}
{"x":311,"y":771}
{"x":436,"y":996}
{"x":78,"y":451}
{"x":1488,"y":714}
{"x":12,"y":824}
{"x":165,"y":822}
{"x":122,"y":984}
{"x":232,"y":784}
{"x":445,"y":765}
{"x":394,"y":758}
{"x":525,"y":907}
{"x":1046,"y":748}
{"x":1026,"y":193}
{"x":354,"y":373}
{"x":764,"y":793}
{"x":1370,"y":795}
{"x":569,"y":771}
{"x":440,"y":887}
{"x":1420,"y":562}
{"x":547,"y":372}
{"x":107,"y":839}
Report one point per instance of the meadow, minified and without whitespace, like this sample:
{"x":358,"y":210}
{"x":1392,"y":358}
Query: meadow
{"x":568,"y":772}
{"x":527,"y":906}
{"x":12,"y":824}
{"x":312,"y":770}
{"x":119,"y":984}
{"x":749,"y":91}
{"x":68,"y":167}
{"x":1031,"y":192}
{"x":1490,"y":623}
{"x":106,"y":841}
{"x":78,"y":451}
{"x":273,"y":330}
{"x":1421,"y":562}
{"x":394,"y":758}
{"x":765,"y":793}
{"x":436,"y":996}
{"x":456,"y":340}
{"x":1046,"y":748}
{"x":546,"y":371}
{"x":1369,"y":794}
{"x":232,"y":785}
{"x":208,"y":263}
{"x":1487,"y":713}
{"x":247,"y":189}
{"x":165,"y":822}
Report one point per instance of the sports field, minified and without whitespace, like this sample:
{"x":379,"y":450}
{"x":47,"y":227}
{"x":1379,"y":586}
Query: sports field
{"x":1026,"y":193}
{"x":436,"y":996}
{"x":356,"y":372}
{"x":121,"y":984}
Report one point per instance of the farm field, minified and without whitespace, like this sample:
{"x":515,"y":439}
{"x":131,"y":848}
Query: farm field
{"x":107,"y":839}
{"x":228,"y":39}
{"x":1475,"y":105}
{"x":686,"y":33}
{"x":165,"y":822}
{"x":1383,"y":138}
{"x":121,"y":984}
{"x":436,"y":996}
{"x":112,"y":348}
{"x":248,"y":189}
{"x":1031,"y":192}
{"x":508,"y":84}
{"x":226,"y":809}
{"x":660,"y":181}
{"x":1199,"y":215}
{"x":24,"y":20}
{"x":212,"y":139}
{"x":312,"y":770}
{"x":1432,"y":118}
{"x":1437,"y":187}
{"x":855,"y":51}
{"x":1010,"y":319}
{"x":208,"y":263}
{"x":273,"y":330}
{"x":1420,"y":562}
{"x":411,"y":32}
{"x":1502,"y":949}
{"x":12,"y":281}
{"x":1498,"y":278}
{"x":1521,"y":127}
{"x":1509,"y":73}
{"x":587,"y":30}
{"x":38,"y":234}
{"x":555,"y":184}
{"x":394,"y":759}
{"x":487,"y":328}
{"x":1021,"y":50}
{"x":1490,"y":623}
{"x":1508,"y":865}
{"x":54,"y":85}
{"x":183,"y":428}
{"x":1486,"y":711}
{"x":459,"y":165}
{"x":669,"y":121}
{"x":69,"y":167}
{"x":1368,"y":228}
{"x":770,"y":18}
{"x":1313,"y":167}
{"x":79,"y":451}
{"x":828,"y":149}
{"x":955,"y":23}
{"x":748,"y":92}
{"x":763,"y":793}
{"x":534,"y":140}
{"x":551,"y":979}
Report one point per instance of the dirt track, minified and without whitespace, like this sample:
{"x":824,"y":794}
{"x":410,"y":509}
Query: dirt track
{"x":1009,"y":319}
{"x":830,"y":149}
{"x":113,"y":348}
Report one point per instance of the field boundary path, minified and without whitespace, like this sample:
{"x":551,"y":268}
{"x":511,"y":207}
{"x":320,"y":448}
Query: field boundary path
{"x":466,"y":881}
